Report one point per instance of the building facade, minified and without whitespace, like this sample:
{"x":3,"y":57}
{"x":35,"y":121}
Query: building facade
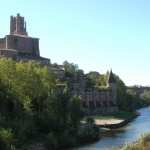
{"x":21,"y":47}
{"x":96,"y":100}
{"x":18,"y":45}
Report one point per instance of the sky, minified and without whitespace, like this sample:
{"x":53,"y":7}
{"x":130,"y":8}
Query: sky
{"x":95,"y":34}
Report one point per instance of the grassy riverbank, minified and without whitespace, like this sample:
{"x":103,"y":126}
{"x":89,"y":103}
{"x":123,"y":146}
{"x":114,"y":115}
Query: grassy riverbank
{"x":118,"y":115}
{"x":112,"y":121}
{"x":142,"y":144}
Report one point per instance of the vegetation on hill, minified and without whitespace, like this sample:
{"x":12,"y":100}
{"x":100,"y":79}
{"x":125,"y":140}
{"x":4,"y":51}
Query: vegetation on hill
{"x":126,"y":100}
{"x":72,"y":69}
{"x":35,"y":107}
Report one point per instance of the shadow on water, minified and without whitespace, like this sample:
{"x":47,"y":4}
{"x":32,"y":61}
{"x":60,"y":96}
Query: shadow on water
{"x":118,"y":137}
{"x":112,"y":133}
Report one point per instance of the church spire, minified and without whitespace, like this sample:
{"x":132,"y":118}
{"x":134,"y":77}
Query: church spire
{"x":111,"y":78}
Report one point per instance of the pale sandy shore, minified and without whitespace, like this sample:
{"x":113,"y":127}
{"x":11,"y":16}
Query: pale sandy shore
{"x":108,"y":121}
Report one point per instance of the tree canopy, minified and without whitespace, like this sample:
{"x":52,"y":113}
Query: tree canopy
{"x":33,"y":103}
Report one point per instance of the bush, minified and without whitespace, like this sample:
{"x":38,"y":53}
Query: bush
{"x":88,"y":132}
{"x":60,"y":140}
{"x":90,"y":120}
{"x":6,"y":139}
{"x":52,"y":141}
{"x":142,"y":144}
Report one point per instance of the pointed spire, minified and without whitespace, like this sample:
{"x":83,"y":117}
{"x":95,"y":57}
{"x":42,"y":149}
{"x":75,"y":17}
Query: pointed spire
{"x":111,"y":78}
{"x":25,"y":26}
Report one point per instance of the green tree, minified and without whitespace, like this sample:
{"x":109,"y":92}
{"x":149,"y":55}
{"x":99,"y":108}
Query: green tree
{"x":146,"y":96}
{"x":70,"y":68}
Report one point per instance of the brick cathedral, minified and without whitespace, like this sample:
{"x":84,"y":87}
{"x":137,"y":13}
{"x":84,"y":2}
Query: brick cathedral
{"x":21,"y":47}
{"x":18,"y":45}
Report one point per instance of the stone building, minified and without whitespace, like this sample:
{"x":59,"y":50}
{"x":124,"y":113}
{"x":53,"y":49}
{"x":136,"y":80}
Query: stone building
{"x":96,"y":100}
{"x":18,"y":45}
{"x":58,"y":71}
{"x":21,"y":47}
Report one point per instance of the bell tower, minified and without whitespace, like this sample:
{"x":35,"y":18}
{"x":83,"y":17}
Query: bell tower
{"x":17,"y":25}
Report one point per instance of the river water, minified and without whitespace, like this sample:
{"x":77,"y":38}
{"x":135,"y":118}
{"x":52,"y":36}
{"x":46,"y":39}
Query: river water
{"x":117,"y":138}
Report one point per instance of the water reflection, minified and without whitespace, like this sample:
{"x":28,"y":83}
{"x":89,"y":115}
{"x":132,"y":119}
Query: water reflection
{"x":128,"y":134}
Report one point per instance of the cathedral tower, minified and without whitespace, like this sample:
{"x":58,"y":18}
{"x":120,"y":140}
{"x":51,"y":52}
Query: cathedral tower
{"x":18,"y":45}
{"x":17,"y":25}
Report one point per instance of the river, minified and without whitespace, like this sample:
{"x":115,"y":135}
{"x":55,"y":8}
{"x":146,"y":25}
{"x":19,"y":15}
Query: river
{"x":117,"y":138}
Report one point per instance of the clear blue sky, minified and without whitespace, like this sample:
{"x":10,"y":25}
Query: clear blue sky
{"x":95,"y":34}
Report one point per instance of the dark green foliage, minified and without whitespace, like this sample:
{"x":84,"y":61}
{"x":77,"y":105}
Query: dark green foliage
{"x":75,"y":113}
{"x":125,"y":100}
{"x":71,"y":69}
{"x":93,"y":79}
{"x":89,"y":131}
{"x":52,"y":141}
{"x":6,"y":139}
{"x":34,"y":107}
{"x":96,"y":80}
{"x":146,"y":96}
{"x":90,"y":120}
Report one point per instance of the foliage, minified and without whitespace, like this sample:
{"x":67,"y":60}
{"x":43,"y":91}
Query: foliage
{"x":35,"y":107}
{"x":103,"y":80}
{"x":142,"y":144}
{"x":6,"y":139}
{"x":89,"y":131}
{"x":97,"y":80}
{"x":127,"y":101}
{"x":71,"y":69}
{"x":116,"y":115}
{"x":146,"y":96}
{"x":93,"y":78}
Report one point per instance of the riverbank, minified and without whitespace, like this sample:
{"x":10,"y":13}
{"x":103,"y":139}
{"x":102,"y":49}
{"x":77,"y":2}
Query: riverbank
{"x":113,"y":121}
{"x":117,"y":138}
{"x":141,"y":144}
{"x":108,"y":121}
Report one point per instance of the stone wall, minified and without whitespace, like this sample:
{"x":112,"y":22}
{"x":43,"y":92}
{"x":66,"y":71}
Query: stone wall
{"x":2,"y":43}
{"x":18,"y":45}
{"x":25,"y":45}
{"x":94,"y":100}
{"x":8,"y":53}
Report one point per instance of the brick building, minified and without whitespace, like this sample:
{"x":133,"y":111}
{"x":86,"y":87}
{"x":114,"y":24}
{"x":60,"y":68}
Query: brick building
{"x":18,"y":45}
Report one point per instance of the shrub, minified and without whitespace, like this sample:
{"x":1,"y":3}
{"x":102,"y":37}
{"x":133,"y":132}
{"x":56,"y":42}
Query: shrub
{"x":51,"y":141}
{"x":6,"y":139}
{"x":142,"y":144}
{"x":88,"y":133}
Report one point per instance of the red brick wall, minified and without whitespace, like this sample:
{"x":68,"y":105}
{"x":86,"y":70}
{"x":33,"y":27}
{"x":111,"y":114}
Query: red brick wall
{"x":23,"y":44}
{"x":2,"y":43}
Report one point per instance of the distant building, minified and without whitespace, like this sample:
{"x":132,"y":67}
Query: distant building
{"x":138,"y":90}
{"x":21,"y":47}
{"x":18,"y":45}
{"x":96,"y":100}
